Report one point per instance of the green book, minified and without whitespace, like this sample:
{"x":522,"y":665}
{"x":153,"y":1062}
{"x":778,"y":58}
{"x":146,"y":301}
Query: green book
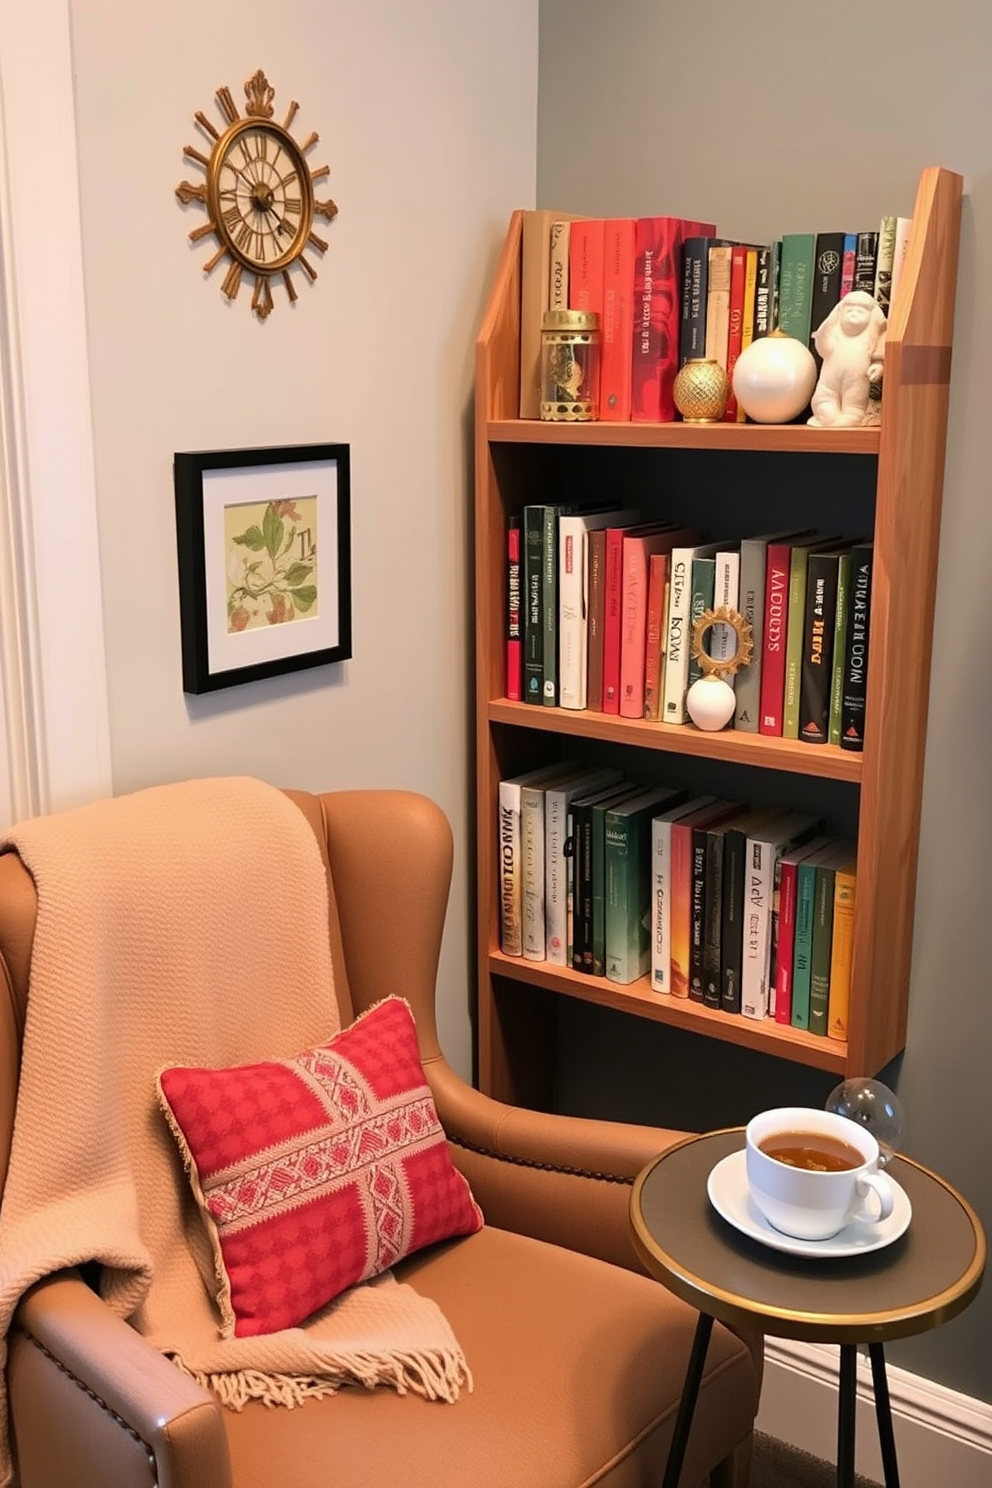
{"x":825,"y":873}
{"x":803,"y":943}
{"x":795,"y":285}
{"x":701,"y":598}
{"x":598,"y":849}
{"x":840,"y":632}
{"x":627,"y":843}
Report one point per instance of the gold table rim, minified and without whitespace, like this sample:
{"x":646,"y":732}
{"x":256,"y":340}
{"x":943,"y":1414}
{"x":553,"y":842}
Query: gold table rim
{"x":837,"y":1327}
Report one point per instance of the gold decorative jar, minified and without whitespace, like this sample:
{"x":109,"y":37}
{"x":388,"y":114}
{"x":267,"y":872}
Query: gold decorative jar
{"x":701,"y":391}
{"x":570,"y":365}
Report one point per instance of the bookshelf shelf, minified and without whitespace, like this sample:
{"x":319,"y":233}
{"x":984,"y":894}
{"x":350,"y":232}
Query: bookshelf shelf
{"x":823,"y":762}
{"x":795,"y":438}
{"x":766,"y":1038}
{"x":518,"y":460}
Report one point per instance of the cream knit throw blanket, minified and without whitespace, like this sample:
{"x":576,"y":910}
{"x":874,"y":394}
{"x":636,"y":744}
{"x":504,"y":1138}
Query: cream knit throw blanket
{"x":182,"y":924}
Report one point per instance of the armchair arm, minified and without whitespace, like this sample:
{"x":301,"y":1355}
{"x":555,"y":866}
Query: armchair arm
{"x":566,"y":1179}
{"x":91,"y":1402}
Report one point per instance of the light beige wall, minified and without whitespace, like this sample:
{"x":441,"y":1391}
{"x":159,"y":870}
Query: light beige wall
{"x":780,"y":118}
{"x":427,"y":117}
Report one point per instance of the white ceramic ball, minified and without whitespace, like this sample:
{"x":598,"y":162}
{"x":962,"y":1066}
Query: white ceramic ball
{"x":774,"y":379}
{"x":710,"y":703}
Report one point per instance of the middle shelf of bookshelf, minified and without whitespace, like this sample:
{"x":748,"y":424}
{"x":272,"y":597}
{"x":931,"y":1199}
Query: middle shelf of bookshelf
{"x":761,"y":751}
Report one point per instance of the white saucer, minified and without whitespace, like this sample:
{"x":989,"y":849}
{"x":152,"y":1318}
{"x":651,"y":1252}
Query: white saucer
{"x":730,"y":1197}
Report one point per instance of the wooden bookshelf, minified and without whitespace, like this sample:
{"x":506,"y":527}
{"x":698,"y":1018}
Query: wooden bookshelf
{"x":515,"y":460}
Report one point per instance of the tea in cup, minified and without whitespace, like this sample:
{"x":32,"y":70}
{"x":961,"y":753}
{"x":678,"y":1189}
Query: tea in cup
{"x":812,"y":1172}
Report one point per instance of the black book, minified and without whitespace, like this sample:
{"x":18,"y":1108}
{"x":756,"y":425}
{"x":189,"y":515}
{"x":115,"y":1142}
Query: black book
{"x":533,"y":607}
{"x":697,"y":895}
{"x":579,"y":847}
{"x":855,"y":681}
{"x":713,"y":913}
{"x":816,"y":667}
{"x":828,"y":264}
{"x":766,"y":291}
{"x":695,"y":288}
{"x":864,"y":262}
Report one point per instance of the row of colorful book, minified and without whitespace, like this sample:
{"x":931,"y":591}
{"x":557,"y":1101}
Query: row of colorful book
{"x":748,"y":912}
{"x":601,"y":609}
{"x":668,"y":288}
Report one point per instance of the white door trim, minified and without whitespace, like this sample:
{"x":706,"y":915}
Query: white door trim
{"x":54,"y":725}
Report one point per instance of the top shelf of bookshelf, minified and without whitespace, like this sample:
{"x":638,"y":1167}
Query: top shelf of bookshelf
{"x":797,"y":438}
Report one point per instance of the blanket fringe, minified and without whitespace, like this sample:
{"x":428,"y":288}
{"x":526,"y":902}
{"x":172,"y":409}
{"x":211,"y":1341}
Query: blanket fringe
{"x":434,"y":1376}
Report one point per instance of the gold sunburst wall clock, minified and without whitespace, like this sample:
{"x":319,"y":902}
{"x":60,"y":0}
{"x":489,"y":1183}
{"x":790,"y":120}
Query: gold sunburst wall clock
{"x":258,"y":194}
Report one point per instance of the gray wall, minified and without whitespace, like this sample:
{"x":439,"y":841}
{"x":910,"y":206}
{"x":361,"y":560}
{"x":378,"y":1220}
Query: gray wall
{"x":769,"y":119}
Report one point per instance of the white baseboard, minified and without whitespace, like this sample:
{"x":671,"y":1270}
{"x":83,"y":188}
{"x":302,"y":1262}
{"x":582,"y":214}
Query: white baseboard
{"x":941,"y":1436}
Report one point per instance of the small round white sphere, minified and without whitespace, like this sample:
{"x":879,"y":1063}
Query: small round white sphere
{"x":774,"y":378}
{"x":710,"y":703}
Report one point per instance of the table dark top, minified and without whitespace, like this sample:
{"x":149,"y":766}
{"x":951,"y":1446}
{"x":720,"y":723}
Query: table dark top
{"x":921,"y":1280}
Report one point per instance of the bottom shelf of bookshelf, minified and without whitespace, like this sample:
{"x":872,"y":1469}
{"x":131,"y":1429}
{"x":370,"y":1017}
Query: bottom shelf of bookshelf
{"x":765,"y":1036}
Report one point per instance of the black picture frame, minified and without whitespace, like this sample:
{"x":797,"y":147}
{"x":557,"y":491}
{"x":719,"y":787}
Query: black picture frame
{"x":293,"y":503}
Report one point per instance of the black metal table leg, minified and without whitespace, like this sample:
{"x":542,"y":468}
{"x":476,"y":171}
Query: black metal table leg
{"x":690,"y":1390}
{"x":845,"y":1415}
{"x":883,"y":1415}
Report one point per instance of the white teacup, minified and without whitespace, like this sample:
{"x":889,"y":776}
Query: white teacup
{"x":814,"y":1203}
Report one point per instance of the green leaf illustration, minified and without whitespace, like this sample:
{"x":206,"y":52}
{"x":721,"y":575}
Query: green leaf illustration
{"x":252,"y":538}
{"x":297,"y":572}
{"x":272,"y":530}
{"x":304,"y":598}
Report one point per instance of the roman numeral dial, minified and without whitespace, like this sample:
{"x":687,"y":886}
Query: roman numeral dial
{"x":258,"y":194}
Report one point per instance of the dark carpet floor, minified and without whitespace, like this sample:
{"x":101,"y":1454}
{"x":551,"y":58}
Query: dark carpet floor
{"x":776,"y":1465}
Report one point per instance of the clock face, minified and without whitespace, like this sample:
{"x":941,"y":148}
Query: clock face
{"x":260,"y":197}
{"x":258,"y":194}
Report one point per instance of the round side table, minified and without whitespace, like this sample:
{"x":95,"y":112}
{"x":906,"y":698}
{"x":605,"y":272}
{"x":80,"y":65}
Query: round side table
{"x":918,"y":1282}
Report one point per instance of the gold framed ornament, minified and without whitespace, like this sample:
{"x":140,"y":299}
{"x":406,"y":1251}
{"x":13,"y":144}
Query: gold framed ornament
{"x":711,"y":699}
{"x":258,"y":194}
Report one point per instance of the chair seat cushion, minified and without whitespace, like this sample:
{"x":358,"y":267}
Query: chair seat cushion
{"x":578,"y":1369}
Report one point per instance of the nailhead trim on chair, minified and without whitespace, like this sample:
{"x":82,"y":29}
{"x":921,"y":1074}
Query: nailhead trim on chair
{"x":543,"y":1167}
{"x":107,"y":1410}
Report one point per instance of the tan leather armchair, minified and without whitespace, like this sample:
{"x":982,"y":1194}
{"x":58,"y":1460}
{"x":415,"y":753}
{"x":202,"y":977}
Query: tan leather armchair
{"x":551,"y":1282}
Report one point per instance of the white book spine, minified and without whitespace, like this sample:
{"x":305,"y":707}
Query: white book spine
{"x":723,"y":638}
{"x":679,"y":636}
{"x":557,"y":864}
{"x":510,"y":892}
{"x":573,"y":600}
{"x":558,"y":267}
{"x":572,"y":607}
{"x":532,"y":872}
{"x":903,"y":228}
{"x":757,"y":907}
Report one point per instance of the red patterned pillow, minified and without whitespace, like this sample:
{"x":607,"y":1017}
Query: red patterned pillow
{"x":317,"y":1172}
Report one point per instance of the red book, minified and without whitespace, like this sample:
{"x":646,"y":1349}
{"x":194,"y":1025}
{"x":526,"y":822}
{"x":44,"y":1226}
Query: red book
{"x":738,"y":273}
{"x":596,"y":620}
{"x":773,"y":643}
{"x":788,"y":869}
{"x":585,"y":265}
{"x":616,"y":327}
{"x":657,"y":592}
{"x":514,"y":635}
{"x":657,"y":314}
{"x":638,"y":546}
{"x":612,"y":612}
